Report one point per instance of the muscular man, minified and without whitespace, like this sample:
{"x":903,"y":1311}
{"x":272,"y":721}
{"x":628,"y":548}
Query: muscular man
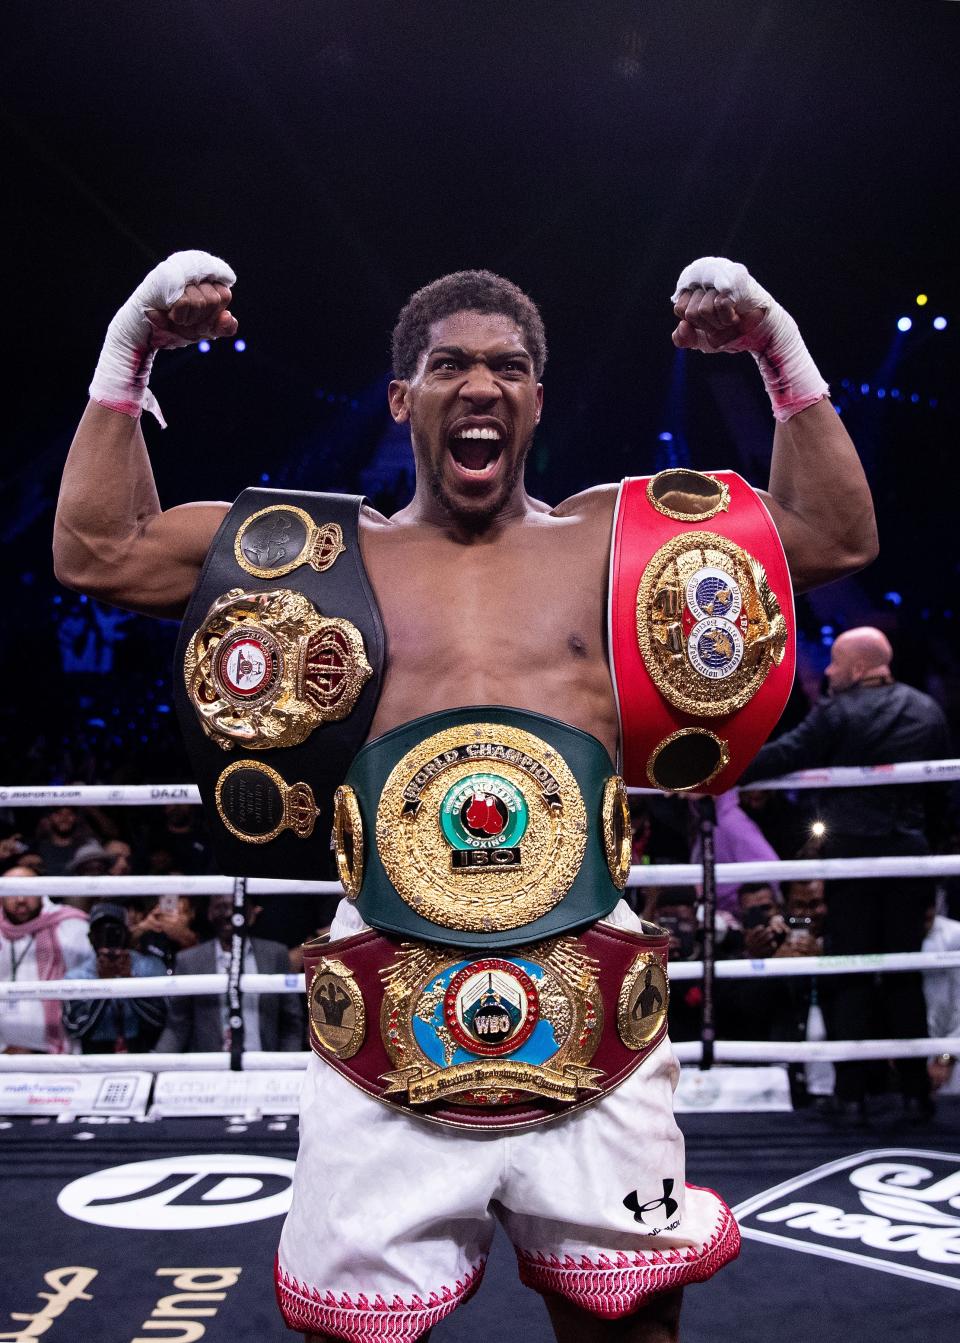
{"x":412,"y":1203}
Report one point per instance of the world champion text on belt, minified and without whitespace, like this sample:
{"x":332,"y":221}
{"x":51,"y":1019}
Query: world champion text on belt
{"x":482,"y":826}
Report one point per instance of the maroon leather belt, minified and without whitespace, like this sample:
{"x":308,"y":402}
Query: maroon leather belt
{"x":489,"y":1041}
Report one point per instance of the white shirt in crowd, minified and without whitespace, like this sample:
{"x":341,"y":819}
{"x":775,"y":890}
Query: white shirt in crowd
{"x":22,"y":1024}
{"x":942,"y":991}
{"x":251,"y":1010}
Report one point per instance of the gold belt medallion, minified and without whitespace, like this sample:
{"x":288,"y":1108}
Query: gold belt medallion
{"x":276,"y":540}
{"x":643,"y":1000}
{"x":708,"y":625}
{"x":491,"y":1030}
{"x":265,"y":668}
{"x":338,"y":1019}
{"x":481,"y":827}
{"x":256,"y":804}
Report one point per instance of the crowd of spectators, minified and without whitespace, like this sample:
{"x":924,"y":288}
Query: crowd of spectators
{"x":77,"y":937}
{"x":83,"y":937}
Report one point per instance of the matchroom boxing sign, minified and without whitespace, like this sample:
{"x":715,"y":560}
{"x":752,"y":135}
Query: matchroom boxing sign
{"x":896,"y":1210}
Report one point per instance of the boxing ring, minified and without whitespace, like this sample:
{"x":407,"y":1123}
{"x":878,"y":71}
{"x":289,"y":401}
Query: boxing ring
{"x":873,"y":1216}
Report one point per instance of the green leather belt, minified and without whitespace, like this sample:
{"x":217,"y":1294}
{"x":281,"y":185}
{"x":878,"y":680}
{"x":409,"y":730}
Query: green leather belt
{"x":482,"y":827}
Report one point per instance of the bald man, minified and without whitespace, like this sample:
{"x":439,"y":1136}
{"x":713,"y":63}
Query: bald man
{"x":869,"y":719}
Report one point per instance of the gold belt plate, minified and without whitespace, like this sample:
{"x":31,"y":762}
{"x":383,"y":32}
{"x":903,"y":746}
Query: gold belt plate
{"x":481,"y":827}
{"x":266,"y":668}
{"x":709,"y":626}
{"x":433,"y":1026}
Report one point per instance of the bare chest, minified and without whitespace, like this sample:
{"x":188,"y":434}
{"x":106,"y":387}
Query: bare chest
{"x":519,"y":621}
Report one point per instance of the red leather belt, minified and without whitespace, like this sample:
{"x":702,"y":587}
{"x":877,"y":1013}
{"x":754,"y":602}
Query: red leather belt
{"x":476,"y":1040}
{"x":702,"y":628}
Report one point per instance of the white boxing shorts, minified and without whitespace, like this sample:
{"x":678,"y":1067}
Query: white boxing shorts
{"x":393,"y":1216}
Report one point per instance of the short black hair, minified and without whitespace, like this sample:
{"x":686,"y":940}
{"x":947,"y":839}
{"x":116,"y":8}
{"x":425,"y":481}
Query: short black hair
{"x":462,"y":291}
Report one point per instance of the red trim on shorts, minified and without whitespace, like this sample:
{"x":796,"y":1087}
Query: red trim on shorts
{"x":614,"y":1285}
{"x":359,"y":1320}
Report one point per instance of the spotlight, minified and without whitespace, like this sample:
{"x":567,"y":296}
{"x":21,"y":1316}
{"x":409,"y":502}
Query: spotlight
{"x":904,"y":324}
{"x":921,"y":300}
{"x":666,"y":436}
{"x":939,"y":323}
{"x":204,"y":347}
{"x":894,"y":598}
{"x":914,"y":397}
{"x":240,"y":345}
{"x":818,"y":829}
{"x":881,"y":393}
{"x":864,"y":388}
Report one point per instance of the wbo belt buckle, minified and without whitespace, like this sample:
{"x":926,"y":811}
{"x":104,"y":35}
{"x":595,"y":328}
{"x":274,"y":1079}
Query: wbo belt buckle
{"x":492,"y":1030}
{"x":504,"y":1040}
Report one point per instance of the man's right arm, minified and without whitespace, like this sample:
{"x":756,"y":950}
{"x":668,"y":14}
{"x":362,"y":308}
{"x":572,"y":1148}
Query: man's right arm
{"x":111,"y":539}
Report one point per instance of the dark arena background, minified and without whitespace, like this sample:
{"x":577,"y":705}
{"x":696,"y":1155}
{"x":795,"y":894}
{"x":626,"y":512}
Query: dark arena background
{"x":339,"y":156}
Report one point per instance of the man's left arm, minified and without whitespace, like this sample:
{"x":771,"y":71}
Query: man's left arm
{"x":818,"y":494}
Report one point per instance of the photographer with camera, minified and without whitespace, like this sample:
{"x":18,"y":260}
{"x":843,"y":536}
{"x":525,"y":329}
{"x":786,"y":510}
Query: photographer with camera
{"x":114,"y":1025}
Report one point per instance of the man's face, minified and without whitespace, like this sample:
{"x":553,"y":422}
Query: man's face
{"x":843,"y":669}
{"x":472,"y":405}
{"x":120,"y":854}
{"x":21,"y":908}
{"x":63,"y":820}
{"x":762,"y":901}
{"x":806,"y":901}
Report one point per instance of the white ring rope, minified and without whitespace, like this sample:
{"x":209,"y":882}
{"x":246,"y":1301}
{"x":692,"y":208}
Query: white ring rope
{"x":646,"y":874}
{"x":202,"y":986}
{"x":157,"y":795}
{"x":687,"y":1051}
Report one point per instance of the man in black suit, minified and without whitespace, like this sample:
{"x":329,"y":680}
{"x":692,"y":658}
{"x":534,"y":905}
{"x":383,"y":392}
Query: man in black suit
{"x":869,"y":719}
{"x":199,"y":1025}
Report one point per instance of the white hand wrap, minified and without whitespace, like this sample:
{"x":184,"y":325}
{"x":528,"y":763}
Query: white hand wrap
{"x":123,"y":371}
{"x":790,"y":376}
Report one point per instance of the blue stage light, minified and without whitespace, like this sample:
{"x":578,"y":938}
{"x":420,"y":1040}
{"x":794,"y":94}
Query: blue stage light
{"x":264,"y":477}
{"x":896,"y":393}
{"x":240,"y":345}
{"x":914,"y":397}
{"x":666,"y":436}
{"x":939,"y":323}
{"x":864,"y":388}
{"x":881,"y":393}
{"x":163,"y":708}
{"x":204,"y":346}
{"x":894,"y":598}
{"x":904,"y":324}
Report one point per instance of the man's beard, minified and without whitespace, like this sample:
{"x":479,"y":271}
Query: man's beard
{"x":476,"y":519}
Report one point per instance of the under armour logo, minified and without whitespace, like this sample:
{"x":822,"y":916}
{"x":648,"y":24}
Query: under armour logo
{"x":668,"y":1204}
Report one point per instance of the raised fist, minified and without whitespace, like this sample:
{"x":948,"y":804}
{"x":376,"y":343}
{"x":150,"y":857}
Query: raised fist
{"x":720,"y":306}
{"x":186,"y":298}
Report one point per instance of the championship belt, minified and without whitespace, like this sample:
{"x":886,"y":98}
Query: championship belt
{"x":277,"y":675}
{"x":473,"y":1040}
{"x":482,"y":827}
{"x":702,"y":629}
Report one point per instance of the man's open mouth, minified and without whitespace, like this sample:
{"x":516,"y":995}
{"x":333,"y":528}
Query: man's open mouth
{"x":476,"y":450}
